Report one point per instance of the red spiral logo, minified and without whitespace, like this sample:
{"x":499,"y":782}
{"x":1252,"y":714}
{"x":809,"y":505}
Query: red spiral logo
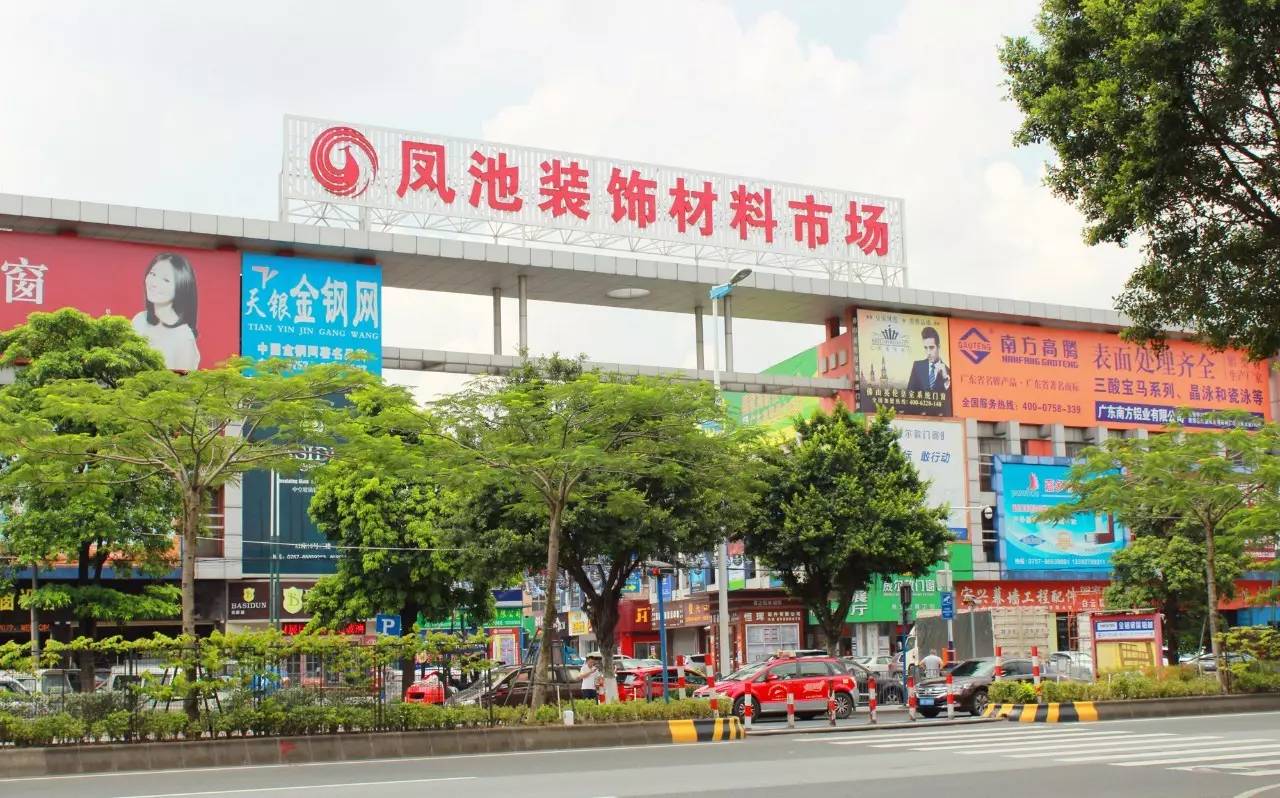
{"x":347,"y":180}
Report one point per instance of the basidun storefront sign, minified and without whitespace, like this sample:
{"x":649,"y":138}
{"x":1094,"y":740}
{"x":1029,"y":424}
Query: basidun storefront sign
{"x":405,"y":172}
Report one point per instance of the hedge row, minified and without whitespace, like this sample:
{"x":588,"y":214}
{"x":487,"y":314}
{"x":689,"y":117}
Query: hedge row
{"x":272,"y":717}
{"x":1153,"y":683}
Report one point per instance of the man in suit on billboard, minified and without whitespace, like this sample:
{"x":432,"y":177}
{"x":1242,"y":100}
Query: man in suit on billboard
{"x":930,"y":374}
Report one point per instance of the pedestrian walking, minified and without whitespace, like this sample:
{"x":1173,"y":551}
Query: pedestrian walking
{"x":932,"y":665}
{"x":591,"y":675}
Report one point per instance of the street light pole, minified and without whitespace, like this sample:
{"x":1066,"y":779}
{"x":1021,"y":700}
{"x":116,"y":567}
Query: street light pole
{"x":722,"y":573}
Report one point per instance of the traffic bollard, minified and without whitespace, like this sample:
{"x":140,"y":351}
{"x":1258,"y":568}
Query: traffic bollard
{"x":999,"y":670}
{"x":791,"y":710}
{"x":1035,"y":670}
{"x":715,"y":706}
{"x":680,"y":682}
{"x":831,"y":705}
{"x":747,"y":712}
{"x":951,"y":699}
{"x":911,"y":698}
{"x":871,"y":698}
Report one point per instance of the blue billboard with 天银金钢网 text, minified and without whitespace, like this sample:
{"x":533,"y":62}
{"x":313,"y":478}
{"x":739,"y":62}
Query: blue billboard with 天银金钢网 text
{"x":1081,"y":545}
{"x":311,"y":311}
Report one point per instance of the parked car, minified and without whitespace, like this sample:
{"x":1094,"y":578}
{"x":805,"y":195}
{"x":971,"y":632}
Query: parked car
{"x":767,"y":684}
{"x":512,"y":687}
{"x":792,"y":653}
{"x":646,"y":683}
{"x":1074,"y":664}
{"x":971,"y":680}
{"x":1206,"y":664}
{"x":429,"y":690}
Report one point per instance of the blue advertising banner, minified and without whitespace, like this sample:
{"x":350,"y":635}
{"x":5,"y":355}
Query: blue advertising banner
{"x":310,"y":311}
{"x":1080,"y":546}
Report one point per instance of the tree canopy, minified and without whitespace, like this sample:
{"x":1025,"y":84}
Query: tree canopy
{"x":1221,"y":483}
{"x":843,"y":503}
{"x":1164,"y":116}
{"x":193,"y":433}
{"x":106,"y":519}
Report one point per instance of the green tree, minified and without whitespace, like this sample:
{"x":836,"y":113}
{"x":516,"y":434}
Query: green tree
{"x":409,"y":544}
{"x":96,"y":519}
{"x":555,"y":436}
{"x":1223,"y":483}
{"x":1164,"y":115}
{"x":843,"y":503}
{"x":193,"y":433}
{"x":1165,"y":570}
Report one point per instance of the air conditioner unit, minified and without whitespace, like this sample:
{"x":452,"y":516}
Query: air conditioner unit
{"x":1046,"y":431}
{"x":1001,"y":430}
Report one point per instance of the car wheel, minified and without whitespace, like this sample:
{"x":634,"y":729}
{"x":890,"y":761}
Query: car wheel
{"x":979,"y":703}
{"x":739,"y":708}
{"x":930,"y":713}
{"x":844,"y":705}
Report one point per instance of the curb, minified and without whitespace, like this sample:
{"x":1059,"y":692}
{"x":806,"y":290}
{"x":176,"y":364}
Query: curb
{"x":867,"y":727}
{"x":1133,"y":709}
{"x":241,"y":751}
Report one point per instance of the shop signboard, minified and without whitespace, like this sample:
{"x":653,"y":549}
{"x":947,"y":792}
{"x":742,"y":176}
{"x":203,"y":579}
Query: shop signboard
{"x":1126,"y":642}
{"x":250,"y":600}
{"x":311,"y":311}
{"x":936,"y":449}
{"x":181,"y":300}
{"x":592,"y":199}
{"x":903,"y":363}
{"x":277,"y":524}
{"x":881,"y":602}
{"x":1081,"y":545}
{"x":1039,"y":375}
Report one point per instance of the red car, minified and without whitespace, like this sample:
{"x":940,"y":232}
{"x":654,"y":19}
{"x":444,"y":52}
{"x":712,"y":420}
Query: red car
{"x":426,"y":691}
{"x":646,"y":683}
{"x":767,"y":684}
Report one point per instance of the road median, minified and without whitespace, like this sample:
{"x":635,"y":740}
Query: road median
{"x":1136,"y":709}
{"x":248,"y":751}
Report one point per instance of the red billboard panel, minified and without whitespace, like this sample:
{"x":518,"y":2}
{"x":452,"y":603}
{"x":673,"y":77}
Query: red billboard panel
{"x":186,"y":302}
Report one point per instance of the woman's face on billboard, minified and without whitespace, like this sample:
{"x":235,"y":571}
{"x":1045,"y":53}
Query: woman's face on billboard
{"x":160,"y":281}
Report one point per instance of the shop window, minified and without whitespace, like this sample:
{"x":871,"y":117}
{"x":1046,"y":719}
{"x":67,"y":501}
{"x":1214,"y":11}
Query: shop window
{"x":764,"y":639}
{"x":1068,"y":637}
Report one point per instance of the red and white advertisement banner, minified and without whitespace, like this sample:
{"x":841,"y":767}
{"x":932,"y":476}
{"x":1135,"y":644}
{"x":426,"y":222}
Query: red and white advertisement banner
{"x":185,"y":302}
{"x":421,"y":173}
{"x":1057,"y":596}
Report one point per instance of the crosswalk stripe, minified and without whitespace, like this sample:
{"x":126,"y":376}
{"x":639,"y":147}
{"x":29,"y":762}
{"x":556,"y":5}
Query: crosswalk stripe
{"x":1257,"y":752}
{"x":1260,"y":773}
{"x":948,"y":745}
{"x":870,"y":738}
{"x":1214,"y":748}
{"x":1234,"y":765}
{"x":1100,"y":743}
{"x":1103,"y":745}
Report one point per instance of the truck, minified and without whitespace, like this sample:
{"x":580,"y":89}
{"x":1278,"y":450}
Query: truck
{"x":977,"y":634}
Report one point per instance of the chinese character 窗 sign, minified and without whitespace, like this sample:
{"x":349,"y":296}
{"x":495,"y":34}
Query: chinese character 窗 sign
{"x":1079,"y":378}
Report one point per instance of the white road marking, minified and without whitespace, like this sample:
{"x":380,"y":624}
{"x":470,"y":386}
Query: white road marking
{"x":1226,"y":746}
{"x":871,"y":738}
{"x":1257,"y":790}
{"x":1256,"y":753}
{"x":296,"y":787}
{"x":1001,"y":745}
{"x":1166,"y":745}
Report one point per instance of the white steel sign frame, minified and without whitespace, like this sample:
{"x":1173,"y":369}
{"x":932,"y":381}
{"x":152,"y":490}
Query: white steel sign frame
{"x":364,"y":177}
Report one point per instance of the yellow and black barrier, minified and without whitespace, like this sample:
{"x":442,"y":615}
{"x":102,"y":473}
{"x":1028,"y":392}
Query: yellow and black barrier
{"x":710,"y":730}
{"x":1065,"y":712}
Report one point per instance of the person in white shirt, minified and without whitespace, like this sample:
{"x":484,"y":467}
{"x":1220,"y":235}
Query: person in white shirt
{"x":169,"y":321}
{"x":590,"y":674}
{"x":932,"y":665}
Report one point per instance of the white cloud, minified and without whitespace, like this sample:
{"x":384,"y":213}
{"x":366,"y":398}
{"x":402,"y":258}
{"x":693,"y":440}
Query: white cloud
{"x":180,"y":106}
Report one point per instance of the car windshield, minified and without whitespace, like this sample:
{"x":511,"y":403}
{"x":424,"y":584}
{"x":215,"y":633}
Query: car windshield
{"x":743,"y":674}
{"x":975,"y":667}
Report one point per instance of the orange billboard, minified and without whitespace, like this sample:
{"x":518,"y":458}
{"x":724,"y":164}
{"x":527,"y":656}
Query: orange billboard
{"x":1008,"y":372}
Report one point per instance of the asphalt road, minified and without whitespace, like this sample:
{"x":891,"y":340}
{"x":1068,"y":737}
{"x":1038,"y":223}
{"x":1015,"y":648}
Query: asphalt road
{"x":1206,"y":757}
